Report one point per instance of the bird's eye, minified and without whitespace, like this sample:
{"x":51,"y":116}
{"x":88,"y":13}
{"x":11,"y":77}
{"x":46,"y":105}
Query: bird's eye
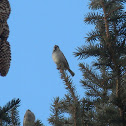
{"x":56,"y":47}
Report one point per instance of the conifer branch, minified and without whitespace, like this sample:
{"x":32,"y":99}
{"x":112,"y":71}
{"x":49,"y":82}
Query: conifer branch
{"x":118,"y":8}
{"x":14,"y":115}
{"x":93,"y":18}
{"x":71,"y":89}
{"x":88,"y":73}
{"x":7,"y":107}
{"x":38,"y":123}
{"x":86,"y":51}
{"x":56,"y":119}
{"x":93,"y":36}
{"x":68,"y":83}
{"x":94,"y":5}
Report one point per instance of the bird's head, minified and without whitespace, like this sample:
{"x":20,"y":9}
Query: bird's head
{"x":56,"y":47}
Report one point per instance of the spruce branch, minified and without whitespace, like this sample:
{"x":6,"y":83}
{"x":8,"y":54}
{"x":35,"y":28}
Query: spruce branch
{"x":38,"y":123}
{"x":14,"y":115}
{"x":114,"y":10}
{"x":94,"y":5}
{"x":91,"y":50}
{"x":111,"y":2}
{"x":57,"y":109}
{"x":89,"y":74}
{"x":68,"y":83}
{"x":71,"y":90}
{"x":93,"y":18}
{"x":93,"y":36}
{"x":4,"y":110}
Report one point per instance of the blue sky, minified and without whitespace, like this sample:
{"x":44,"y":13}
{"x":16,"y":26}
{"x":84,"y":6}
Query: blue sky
{"x":35,"y":27}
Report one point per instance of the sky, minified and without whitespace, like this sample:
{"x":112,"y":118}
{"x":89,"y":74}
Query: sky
{"x":35,"y":27}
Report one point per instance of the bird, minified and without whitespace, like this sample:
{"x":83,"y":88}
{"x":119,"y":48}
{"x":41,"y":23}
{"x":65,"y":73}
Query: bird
{"x":60,"y":60}
{"x":29,"y":118}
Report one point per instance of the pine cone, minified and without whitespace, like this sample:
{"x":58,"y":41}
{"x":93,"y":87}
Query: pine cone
{"x":4,"y":10}
{"x":5,"y":57}
{"x":5,"y":32}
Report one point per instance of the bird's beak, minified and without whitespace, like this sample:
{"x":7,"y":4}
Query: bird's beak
{"x":55,"y":47}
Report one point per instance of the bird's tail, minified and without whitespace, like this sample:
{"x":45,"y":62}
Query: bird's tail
{"x":71,"y":72}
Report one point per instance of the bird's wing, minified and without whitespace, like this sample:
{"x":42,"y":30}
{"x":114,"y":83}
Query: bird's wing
{"x":65,"y":61}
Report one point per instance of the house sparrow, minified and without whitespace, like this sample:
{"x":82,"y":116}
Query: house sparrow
{"x":29,"y":118}
{"x":60,"y":60}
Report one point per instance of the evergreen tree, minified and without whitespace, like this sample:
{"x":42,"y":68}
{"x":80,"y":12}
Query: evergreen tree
{"x":106,"y":85}
{"x":105,"y":79}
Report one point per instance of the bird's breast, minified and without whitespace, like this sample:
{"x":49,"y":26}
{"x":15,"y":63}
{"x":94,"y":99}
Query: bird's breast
{"x":56,"y":57}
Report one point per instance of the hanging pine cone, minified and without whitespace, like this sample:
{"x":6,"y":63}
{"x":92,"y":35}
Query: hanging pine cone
{"x":4,"y":10}
{"x":5,"y":32}
{"x":5,"y":57}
